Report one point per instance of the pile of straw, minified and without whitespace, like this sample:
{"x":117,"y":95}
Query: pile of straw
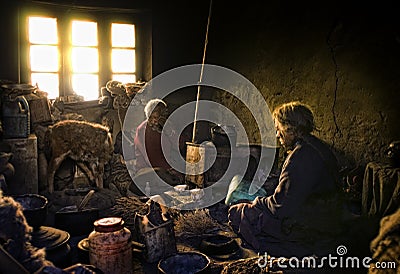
{"x":196,"y":222}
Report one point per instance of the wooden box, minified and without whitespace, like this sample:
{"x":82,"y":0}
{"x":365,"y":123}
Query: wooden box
{"x":39,"y":110}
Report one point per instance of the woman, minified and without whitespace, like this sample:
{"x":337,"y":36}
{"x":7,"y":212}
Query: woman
{"x":302,"y":216}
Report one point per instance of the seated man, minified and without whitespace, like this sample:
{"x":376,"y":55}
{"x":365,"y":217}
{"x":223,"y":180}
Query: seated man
{"x":302,"y":216}
{"x":151,"y":154}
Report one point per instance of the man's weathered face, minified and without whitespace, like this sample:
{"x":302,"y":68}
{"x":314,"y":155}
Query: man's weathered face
{"x":156,"y":119}
{"x":286,"y":136}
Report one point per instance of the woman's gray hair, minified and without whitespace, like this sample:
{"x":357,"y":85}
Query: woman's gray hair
{"x":152,"y":104}
{"x":295,"y":116}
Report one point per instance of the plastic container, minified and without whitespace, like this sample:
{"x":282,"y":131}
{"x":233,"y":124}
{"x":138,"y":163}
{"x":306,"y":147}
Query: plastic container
{"x":110,"y":246}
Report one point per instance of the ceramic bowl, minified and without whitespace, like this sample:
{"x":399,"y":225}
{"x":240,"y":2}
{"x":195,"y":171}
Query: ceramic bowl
{"x":184,"y":262}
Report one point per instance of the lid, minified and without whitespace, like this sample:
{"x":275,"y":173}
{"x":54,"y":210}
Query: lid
{"x":109,"y":224}
{"x":49,"y":237}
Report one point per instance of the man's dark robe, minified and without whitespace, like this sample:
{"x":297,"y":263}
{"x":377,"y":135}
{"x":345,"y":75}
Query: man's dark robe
{"x":302,"y":217}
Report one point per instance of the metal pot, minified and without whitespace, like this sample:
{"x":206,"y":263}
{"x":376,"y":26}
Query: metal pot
{"x":223,"y":135}
{"x":76,"y":222}
{"x":34,"y":208}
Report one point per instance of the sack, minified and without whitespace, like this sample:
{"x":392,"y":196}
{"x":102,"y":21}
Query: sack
{"x":239,"y":190}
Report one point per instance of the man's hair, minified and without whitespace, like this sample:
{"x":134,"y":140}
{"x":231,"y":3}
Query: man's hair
{"x":152,"y":105}
{"x":295,"y":116}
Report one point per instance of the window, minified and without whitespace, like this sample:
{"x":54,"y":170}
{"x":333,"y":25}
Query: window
{"x":123,"y":52}
{"x":43,"y":53}
{"x":76,"y":52}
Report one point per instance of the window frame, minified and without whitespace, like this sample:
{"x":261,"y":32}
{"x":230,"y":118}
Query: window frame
{"x":104,"y":16}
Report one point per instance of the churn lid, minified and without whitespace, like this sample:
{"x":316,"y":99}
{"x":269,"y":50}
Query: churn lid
{"x":109,"y":224}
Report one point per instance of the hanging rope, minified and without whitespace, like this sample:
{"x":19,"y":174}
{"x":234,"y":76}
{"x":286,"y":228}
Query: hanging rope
{"x":201,"y":75}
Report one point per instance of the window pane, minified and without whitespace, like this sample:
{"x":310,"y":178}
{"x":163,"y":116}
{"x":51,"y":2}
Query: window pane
{"x":124,"y":78}
{"x":123,"y":60}
{"x":86,"y":85}
{"x":44,"y":58}
{"x":84,"y":33}
{"x":47,"y":82}
{"x":123,"y":35}
{"x":42,"y":30}
{"x":85,"y":60}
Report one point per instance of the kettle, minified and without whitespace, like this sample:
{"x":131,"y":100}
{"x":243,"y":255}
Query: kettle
{"x":221,"y":134}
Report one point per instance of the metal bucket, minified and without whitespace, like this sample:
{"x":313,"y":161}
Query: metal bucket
{"x":155,"y":233}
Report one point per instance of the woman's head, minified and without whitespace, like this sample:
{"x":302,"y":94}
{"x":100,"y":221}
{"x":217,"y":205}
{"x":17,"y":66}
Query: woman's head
{"x":293,"y":120}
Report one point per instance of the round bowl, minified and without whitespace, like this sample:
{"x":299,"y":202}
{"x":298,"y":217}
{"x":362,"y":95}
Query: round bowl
{"x":83,"y":251}
{"x":184,"y":262}
{"x":218,"y":245}
{"x":34,"y":208}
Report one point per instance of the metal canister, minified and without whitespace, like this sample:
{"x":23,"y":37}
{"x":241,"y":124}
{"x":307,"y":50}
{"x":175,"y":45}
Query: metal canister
{"x":110,"y":246}
{"x":15,"y":117}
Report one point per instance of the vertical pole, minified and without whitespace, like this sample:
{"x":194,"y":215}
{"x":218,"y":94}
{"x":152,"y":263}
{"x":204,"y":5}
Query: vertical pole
{"x":201,"y":76}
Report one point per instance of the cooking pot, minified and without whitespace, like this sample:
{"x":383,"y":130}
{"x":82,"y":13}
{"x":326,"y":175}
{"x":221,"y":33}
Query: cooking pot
{"x":76,"y":222}
{"x":222,"y":135}
{"x":34,"y":208}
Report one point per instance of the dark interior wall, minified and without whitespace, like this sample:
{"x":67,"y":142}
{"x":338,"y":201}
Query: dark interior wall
{"x":340,"y":58}
{"x":8,"y":47}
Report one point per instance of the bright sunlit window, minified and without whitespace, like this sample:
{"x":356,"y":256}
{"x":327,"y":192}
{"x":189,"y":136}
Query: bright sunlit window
{"x":44,"y":56}
{"x":123,"y":52}
{"x":70,"y":55}
{"x":85,"y":59}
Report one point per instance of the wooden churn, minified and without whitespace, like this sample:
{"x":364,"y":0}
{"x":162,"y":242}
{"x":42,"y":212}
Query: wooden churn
{"x":156,"y":231}
{"x":199,"y":159}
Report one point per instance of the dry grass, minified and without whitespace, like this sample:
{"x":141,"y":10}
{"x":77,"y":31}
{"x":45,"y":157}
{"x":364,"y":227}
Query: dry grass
{"x":196,"y":222}
{"x":127,"y":207}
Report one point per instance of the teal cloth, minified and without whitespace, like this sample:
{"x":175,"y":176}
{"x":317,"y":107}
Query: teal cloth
{"x":239,"y":190}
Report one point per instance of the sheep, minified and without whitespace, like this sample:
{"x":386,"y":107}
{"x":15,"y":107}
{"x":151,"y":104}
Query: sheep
{"x":16,"y":240}
{"x":89,"y":144}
